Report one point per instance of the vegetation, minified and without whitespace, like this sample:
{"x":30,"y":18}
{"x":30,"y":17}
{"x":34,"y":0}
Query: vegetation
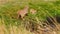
{"x":9,"y":24}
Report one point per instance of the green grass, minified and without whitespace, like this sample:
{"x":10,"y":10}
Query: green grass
{"x":9,"y":10}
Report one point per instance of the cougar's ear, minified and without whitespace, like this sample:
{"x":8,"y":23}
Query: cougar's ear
{"x":26,"y":6}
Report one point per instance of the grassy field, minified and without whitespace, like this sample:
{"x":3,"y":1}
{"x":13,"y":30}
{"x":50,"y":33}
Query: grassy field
{"x":9,"y":24}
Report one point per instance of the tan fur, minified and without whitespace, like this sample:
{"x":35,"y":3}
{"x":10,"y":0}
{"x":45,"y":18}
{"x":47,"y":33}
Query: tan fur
{"x":33,"y":11}
{"x":23,"y":12}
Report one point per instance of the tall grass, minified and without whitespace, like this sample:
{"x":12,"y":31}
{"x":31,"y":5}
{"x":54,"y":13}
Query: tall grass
{"x":8,"y":14}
